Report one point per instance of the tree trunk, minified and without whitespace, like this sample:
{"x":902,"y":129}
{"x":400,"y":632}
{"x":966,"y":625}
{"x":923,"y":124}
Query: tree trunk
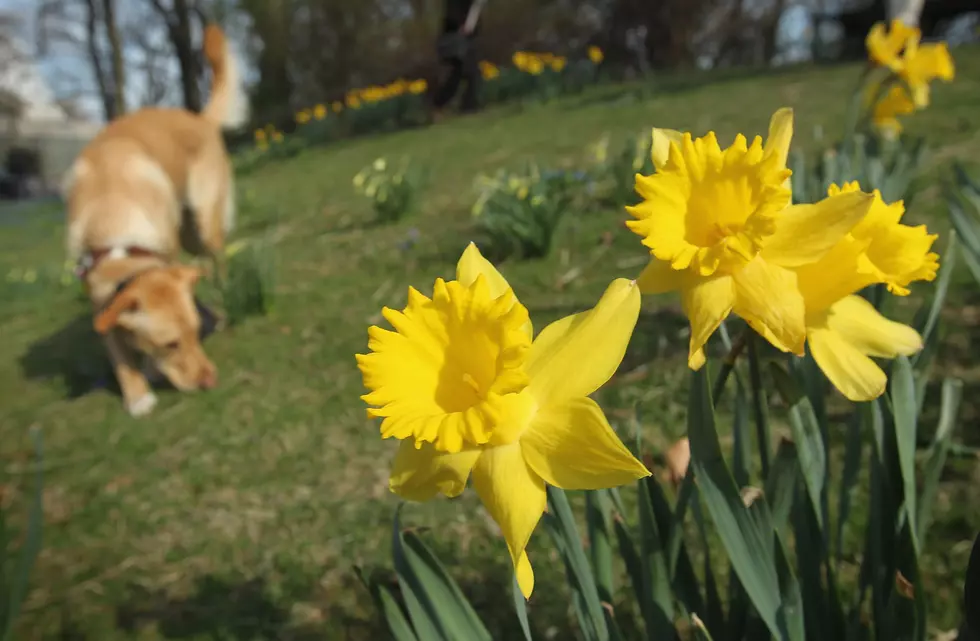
{"x":190,"y":72}
{"x":178,"y":21}
{"x":118,"y":65}
{"x":95,"y":58}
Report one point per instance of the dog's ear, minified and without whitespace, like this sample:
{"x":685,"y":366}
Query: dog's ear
{"x":108,"y":318}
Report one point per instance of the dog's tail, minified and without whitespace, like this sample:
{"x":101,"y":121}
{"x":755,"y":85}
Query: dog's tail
{"x":228,"y":105}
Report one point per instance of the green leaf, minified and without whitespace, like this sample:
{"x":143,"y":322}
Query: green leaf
{"x":939,"y":293}
{"x":31,"y":546}
{"x":520,"y":606}
{"x":600,"y":545}
{"x":658,"y":602}
{"x":747,"y":534}
{"x":437,"y":607}
{"x":853,"y":450}
{"x":952,"y":395}
{"x":560,"y":523}
{"x":759,"y":406}
{"x":905,"y":420}
{"x":807,"y":435}
{"x":781,"y":484}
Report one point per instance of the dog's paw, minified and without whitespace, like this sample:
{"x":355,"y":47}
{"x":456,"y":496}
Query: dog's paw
{"x":143,"y":405}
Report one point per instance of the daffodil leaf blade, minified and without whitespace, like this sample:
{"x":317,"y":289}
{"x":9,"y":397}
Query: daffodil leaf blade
{"x":560,"y":523}
{"x":520,"y":607}
{"x":747,"y":533}
{"x":949,"y":406}
{"x":904,"y":422}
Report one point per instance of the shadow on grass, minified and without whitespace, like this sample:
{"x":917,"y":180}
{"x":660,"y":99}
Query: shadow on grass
{"x":217,"y":609}
{"x":75,"y":355}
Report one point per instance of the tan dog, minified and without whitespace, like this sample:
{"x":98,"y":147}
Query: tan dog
{"x":127,"y":194}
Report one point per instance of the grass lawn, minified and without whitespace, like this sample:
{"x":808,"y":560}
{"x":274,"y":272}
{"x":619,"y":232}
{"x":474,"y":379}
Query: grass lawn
{"x":239,"y":514}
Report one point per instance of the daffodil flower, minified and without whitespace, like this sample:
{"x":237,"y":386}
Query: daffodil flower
{"x":843,"y":330}
{"x":461,"y":383}
{"x":721,"y":231}
{"x":921,"y":65}
{"x":885,"y":45}
{"x":895,"y":102}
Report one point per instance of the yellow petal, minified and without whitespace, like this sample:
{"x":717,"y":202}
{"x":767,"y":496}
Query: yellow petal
{"x":418,"y":474}
{"x":660,"y":150}
{"x":658,"y":277}
{"x":706,"y":301}
{"x":859,"y":323}
{"x":515,"y":497}
{"x":576,"y":355}
{"x":854,"y":374}
{"x":472,"y":264}
{"x":572,"y":446}
{"x":804,"y":233}
{"x":525,"y":575}
{"x":780,"y":135}
{"x":768,"y":298}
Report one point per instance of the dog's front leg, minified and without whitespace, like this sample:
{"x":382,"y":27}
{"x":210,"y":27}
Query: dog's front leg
{"x":137,"y":395}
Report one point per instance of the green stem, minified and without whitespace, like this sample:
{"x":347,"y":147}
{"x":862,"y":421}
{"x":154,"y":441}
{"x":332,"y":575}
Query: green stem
{"x":728,"y":364}
{"x":759,"y":406}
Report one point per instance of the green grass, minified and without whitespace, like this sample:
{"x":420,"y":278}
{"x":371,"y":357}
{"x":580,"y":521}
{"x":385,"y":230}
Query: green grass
{"x":239,"y":514}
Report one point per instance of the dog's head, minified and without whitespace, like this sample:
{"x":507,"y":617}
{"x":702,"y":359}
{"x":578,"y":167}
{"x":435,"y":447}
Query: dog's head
{"x":160,"y":317}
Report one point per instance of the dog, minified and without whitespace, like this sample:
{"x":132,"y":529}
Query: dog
{"x":150,"y":183}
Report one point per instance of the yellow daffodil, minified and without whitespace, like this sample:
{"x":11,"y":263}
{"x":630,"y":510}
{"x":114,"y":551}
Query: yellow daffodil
{"x":921,"y":65}
{"x":844,"y":330}
{"x":885,"y":45}
{"x":535,"y":66}
{"x":896,"y":102}
{"x":277,"y":136}
{"x":303,"y":117}
{"x":336,"y":106}
{"x":417,"y":87}
{"x":488,"y":70}
{"x":894,"y":254}
{"x":320,"y":112}
{"x":558,"y":63}
{"x":721,"y":231}
{"x":595,"y":55}
{"x":463,"y":386}
{"x":260,"y":135}
{"x":352,"y":101}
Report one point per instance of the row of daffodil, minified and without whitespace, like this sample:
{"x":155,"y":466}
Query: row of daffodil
{"x":471,"y":393}
{"x":913,"y":67}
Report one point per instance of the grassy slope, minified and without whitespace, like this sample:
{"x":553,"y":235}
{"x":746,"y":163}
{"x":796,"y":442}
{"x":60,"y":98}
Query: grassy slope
{"x":239,"y":513}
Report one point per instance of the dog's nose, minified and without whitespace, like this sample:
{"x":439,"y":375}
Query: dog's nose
{"x":209,"y":380}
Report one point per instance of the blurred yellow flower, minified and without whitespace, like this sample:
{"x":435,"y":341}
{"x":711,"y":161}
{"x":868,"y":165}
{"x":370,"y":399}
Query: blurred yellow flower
{"x":277,"y":136}
{"x":303,"y":117}
{"x":353,"y":101}
{"x":843,"y":329}
{"x":535,"y":66}
{"x":558,"y":63}
{"x":461,"y":383}
{"x":894,"y":103}
{"x":922,"y":65}
{"x":320,"y":112}
{"x":721,"y":230}
{"x":260,"y":135}
{"x":595,"y":55}
{"x":419,"y":86}
{"x":336,"y":106}
{"x":885,"y":45}
{"x":488,"y":70}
